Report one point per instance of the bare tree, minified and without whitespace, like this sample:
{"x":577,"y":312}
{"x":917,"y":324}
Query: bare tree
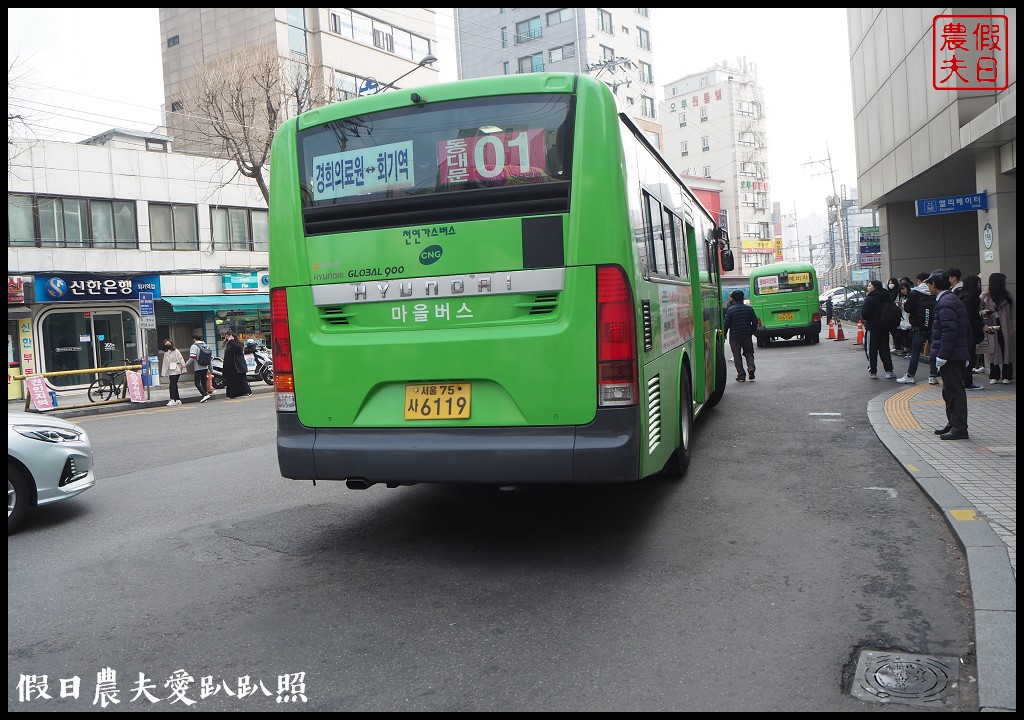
{"x":17,"y":122}
{"x":234,"y":105}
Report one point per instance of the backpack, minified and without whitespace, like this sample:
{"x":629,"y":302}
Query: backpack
{"x":205,"y":356}
{"x":890,"y":316}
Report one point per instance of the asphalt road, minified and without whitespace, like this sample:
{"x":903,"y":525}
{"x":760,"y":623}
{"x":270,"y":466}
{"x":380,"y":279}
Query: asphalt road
{"x":794,"y":542}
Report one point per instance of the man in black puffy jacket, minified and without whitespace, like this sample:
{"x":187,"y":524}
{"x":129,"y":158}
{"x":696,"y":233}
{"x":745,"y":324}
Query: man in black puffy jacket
{"x":740,"y":323}
{"x":876,"y":337}
{"x":950,"y":330}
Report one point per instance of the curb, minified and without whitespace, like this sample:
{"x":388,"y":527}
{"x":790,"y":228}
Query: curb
{"x":993,"y":586}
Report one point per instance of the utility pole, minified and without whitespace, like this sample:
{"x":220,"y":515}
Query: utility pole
{"x":796,"y":226}
{"x":838,"y":203}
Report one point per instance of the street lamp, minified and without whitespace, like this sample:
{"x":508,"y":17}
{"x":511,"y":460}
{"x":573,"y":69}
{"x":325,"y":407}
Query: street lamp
{"x":428,"y":59}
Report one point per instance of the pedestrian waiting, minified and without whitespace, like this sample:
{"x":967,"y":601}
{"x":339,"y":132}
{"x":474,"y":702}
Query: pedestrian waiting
{"x":950,"y":329}
{"x":1000,"y":316}
{"x":876,"y":337}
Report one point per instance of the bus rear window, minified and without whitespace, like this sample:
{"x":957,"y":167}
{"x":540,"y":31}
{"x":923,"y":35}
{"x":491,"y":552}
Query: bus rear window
{"x":443,"y":147}
{"x":783,"y":283}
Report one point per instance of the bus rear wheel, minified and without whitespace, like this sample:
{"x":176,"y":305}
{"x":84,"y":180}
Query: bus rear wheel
{"x":680,"y":459}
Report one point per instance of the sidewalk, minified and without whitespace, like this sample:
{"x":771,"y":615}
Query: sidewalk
{"x":158,"y":397}
{"x":974,"y":483}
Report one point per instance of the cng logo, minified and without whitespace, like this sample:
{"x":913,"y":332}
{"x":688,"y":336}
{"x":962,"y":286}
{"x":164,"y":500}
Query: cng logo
{"x":431,"y":255}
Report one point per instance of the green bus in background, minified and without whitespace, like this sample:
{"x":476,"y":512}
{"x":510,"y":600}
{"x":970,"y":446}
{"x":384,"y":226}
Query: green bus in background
{"x":784,"y":296}
{"x":495,"y":280}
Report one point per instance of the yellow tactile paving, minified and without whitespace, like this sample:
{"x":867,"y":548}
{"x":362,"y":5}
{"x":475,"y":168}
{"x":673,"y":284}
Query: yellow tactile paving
{"x":897,"y":408}
{"x":901,"y":417}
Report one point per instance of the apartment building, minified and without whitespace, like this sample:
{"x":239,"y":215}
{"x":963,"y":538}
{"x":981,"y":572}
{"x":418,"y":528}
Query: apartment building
{"x":715,"y":126}
{"x":612,"y":44}
{"x":932,"y":131}
{"x":355,"y":49}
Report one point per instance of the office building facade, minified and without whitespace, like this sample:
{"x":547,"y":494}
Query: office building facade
{"x":926,"y":143}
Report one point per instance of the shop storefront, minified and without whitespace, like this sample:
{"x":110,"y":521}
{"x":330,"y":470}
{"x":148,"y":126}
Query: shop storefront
{"x":243,"y":305}
{"x":82,"y":321}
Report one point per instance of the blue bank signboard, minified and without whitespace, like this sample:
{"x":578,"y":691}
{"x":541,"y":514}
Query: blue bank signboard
{"x":78,"y":287}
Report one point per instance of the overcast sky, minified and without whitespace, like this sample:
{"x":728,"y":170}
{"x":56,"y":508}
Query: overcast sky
{"x":83,"y":71}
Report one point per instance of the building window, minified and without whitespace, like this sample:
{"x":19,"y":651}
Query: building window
{"x":607,"y":53}
{"x":173,"y":227}
{"x":364,"y":29}
{"x":704,"y":81}
{"x":646,"y":73}
{"x":528,"y":30}
{"x":531,"y":64}
{"x":559,"y":16}
{"x":176,"y":106}
{"x":745,"y":108}
{"x":705,"y":143}
{"x":703,"y":114}
{"x":239,"y":229}
{"x":647,"y":106}
{"x":707,"y":171}
{"x":749,"y":200}
{"x":172,"y":41}
{"x":682,"y":119}
{"x":71,"y":222}
{"x":646,"y":12}
{"x":746,"y":138}
{"x":748,"y":168}
{"x":604,"y":21}
{"x":562,"y":53}
{"x":383,"y":36}
{"x":504,"y":37}
{"x":346,"y":86}
{"x":297,"y":32}
{"x":684,"y":147}
{"x":643,"y":39}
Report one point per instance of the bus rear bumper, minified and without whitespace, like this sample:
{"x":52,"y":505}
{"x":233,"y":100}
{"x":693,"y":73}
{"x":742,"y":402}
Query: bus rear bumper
{"x":787,"y":333}
{"x":604,"y":451}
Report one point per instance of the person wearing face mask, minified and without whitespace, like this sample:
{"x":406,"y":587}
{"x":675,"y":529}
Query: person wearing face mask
{"x":172,"y":365}
{"x":892,"y":294}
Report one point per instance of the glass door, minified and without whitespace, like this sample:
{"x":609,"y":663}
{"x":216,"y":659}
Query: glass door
{"x":109,"y":332}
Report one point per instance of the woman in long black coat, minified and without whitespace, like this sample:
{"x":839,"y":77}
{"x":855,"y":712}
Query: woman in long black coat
{"x":234,"y":368}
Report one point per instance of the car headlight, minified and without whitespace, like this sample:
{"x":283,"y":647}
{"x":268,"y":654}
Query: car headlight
{"x":48,"y":434}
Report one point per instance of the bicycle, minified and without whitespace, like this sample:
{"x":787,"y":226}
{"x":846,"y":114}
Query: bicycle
{"x":110,"y":385}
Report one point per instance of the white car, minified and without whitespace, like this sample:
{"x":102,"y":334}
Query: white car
{"x":48,"y":460}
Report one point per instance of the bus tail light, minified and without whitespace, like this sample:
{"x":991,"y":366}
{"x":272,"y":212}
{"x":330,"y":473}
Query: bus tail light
{"x":284,"y":380}
{"x":616,"y":339}
{"x":815,"y":317}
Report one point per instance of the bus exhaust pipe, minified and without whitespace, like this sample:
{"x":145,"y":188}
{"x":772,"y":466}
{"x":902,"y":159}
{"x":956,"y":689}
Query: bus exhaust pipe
{"x":358,"y":484}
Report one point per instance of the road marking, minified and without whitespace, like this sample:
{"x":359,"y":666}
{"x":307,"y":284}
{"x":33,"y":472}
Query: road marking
{"x":891,"y":492}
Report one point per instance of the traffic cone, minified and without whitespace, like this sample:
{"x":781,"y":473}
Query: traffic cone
{"x":860,"y":333}
{"x":832,"y":330}
{"x":840,"y":335}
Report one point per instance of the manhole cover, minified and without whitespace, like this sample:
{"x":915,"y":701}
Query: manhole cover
{"x":887,"y":677}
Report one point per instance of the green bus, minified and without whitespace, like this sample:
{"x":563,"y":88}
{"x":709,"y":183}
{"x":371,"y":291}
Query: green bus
{"x":784,"y":296}
{"x":495,"y":280}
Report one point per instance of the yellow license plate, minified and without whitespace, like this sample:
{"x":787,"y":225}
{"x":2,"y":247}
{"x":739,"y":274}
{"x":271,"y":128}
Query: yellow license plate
{"x":786,"y":316}
{"x":437,"y":401}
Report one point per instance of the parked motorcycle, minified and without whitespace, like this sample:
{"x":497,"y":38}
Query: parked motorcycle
{"x":258,"y":362}
{"x":263,"y":361}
